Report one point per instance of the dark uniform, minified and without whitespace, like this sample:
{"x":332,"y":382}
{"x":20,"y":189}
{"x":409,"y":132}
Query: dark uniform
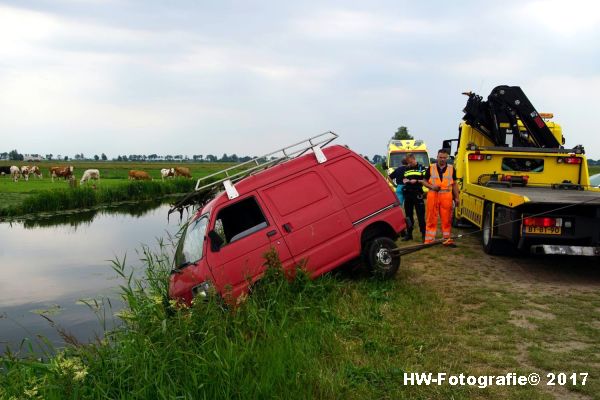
{"x":413,"y":198}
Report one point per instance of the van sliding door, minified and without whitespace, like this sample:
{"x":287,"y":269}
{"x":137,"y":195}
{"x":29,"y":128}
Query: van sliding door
{"x":315,"y":226}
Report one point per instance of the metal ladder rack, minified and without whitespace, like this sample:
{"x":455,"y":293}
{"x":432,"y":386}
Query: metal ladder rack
{"x":314,"y":143}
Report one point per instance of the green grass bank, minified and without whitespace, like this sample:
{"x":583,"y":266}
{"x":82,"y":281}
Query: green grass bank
{"x":343,"y":336}
{"x":86,"y":196}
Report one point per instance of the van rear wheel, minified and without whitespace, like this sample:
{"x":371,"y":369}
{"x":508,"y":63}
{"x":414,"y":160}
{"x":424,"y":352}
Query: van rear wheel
{"x":381,"y":257}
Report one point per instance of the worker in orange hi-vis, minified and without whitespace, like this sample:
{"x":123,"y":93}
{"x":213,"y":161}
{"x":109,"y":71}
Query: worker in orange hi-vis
{"x":440,"y":179}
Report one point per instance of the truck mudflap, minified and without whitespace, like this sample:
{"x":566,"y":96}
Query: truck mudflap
{"x":566,"y":250}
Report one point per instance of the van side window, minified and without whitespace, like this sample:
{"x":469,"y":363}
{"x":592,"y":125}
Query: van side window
{"x":239,"y":220}
{"x":351,"y":174}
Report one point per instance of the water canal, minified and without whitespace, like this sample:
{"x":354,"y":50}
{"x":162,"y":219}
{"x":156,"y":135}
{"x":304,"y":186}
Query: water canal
{"x":51,"y":267}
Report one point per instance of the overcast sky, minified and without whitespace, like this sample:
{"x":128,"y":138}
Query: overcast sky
{"x":247,"y":77}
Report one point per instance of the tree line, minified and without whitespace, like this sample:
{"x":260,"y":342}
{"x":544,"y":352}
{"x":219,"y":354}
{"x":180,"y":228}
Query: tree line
{"x":14,"y":155}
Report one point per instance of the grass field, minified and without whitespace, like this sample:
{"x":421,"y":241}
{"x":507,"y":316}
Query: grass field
{"x":345,"y":336}
{"x":113,"y":175}
{"x":110,"y":170}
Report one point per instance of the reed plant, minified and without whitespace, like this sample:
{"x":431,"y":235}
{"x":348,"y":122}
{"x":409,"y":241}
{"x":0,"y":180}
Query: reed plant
{"x":273,"y":343}
{"x":87,"y":196}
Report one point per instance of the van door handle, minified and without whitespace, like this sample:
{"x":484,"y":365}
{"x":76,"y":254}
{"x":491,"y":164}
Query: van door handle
{"x":287,"y":227}
{"x":271,"y":233}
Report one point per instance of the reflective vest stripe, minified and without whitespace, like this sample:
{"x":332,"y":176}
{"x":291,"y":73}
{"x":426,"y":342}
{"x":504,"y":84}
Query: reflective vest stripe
{"x":413,"y":173}
{"x":446,"y":180}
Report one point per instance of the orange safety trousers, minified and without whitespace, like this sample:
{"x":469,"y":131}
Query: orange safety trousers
{"x":438,"y":204}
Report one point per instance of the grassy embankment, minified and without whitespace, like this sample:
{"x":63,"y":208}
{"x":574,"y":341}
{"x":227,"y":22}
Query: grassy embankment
{"x":38,"y":195}
{"x":343,"y":336}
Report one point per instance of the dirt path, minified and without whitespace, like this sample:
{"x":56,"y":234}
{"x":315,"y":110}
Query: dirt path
{"x":539,"y":313}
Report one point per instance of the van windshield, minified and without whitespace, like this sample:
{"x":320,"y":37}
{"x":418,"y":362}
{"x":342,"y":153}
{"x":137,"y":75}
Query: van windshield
{"x":421,"y":157}
{"x":191,"y":244}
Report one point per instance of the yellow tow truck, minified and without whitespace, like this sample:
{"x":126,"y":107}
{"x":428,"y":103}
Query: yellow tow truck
{"x":518,"y":183}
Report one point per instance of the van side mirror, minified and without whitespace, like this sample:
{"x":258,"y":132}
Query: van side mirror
{"x":216,"y":241}
{"x":384,"y":165}
{"x":447,"y":144}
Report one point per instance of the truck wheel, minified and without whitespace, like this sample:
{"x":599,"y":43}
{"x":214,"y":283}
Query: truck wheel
{"x":490,"y":244}
{"x":381,"y":259}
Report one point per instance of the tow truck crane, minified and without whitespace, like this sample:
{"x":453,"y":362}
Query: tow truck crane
{"x":517,"y":181}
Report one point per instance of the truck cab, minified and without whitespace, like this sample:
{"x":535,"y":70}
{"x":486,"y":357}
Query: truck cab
{"x":398,"y":149}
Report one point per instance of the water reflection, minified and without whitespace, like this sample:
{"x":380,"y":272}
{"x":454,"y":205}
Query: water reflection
{"x":51,"y":263}
{"x":75,"y":219}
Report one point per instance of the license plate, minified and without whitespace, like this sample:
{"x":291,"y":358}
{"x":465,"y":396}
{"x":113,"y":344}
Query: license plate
{"x":542,"y":230}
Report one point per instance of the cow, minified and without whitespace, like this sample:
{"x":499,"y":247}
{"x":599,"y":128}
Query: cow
{"x":35,"y":170}
{"x":90,"y":174}
{"x":138,"y":175}
{"x":167,"y":172}
{"x":64,"y":172}
{"x":5,"y":170}
{"x":15,"y":173}
{"x":25,"y":172}
{"x":183,"y":171}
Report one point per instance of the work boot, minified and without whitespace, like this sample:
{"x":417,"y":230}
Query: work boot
{"x":407,"y":238}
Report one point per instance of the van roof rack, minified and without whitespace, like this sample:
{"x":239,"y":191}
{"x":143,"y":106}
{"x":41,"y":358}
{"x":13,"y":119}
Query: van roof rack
{"x":229,"y":176}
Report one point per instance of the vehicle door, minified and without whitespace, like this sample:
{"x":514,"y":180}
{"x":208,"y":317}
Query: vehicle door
{"x":246,"y":231}
{"x":316,"y":228}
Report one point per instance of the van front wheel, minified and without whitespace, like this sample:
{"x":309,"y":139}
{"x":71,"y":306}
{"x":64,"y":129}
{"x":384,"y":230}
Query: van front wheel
{"x":381,"y":258}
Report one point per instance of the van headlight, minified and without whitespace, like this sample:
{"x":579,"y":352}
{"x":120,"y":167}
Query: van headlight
{"x":203,"y":290}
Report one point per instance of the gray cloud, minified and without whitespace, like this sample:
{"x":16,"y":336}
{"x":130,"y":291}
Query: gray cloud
{"x":240,"y":77}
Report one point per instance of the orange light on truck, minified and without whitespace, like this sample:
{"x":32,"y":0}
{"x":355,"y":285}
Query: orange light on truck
{"x":524,"y":179}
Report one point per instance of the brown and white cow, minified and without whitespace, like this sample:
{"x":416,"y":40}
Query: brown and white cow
{"x":90,"y":174}
{"x":15,"y":173}
{"x":167,"y":173}
{"x":183,"y":171}
{"x":36,"y":171}
{"x":61,"y":172}
{"x":137,"y":175}
{"x":25,"y":172}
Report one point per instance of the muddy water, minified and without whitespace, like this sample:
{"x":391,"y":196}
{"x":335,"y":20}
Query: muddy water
{"x":48,"y":266}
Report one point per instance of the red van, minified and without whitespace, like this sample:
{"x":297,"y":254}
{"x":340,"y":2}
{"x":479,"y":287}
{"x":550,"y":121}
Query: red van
{"x":321,"y":212}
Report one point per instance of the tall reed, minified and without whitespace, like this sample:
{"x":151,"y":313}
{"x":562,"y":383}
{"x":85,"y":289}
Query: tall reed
{"x":271,"y":344}
{"x":87,"y":196}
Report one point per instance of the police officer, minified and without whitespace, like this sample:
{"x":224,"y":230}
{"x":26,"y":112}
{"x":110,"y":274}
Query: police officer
{"x":412,"y":177}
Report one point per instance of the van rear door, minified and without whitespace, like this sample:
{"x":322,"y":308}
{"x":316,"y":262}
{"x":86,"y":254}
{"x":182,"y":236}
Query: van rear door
{"x":248,"y":232}
{"x":315,"y":226}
